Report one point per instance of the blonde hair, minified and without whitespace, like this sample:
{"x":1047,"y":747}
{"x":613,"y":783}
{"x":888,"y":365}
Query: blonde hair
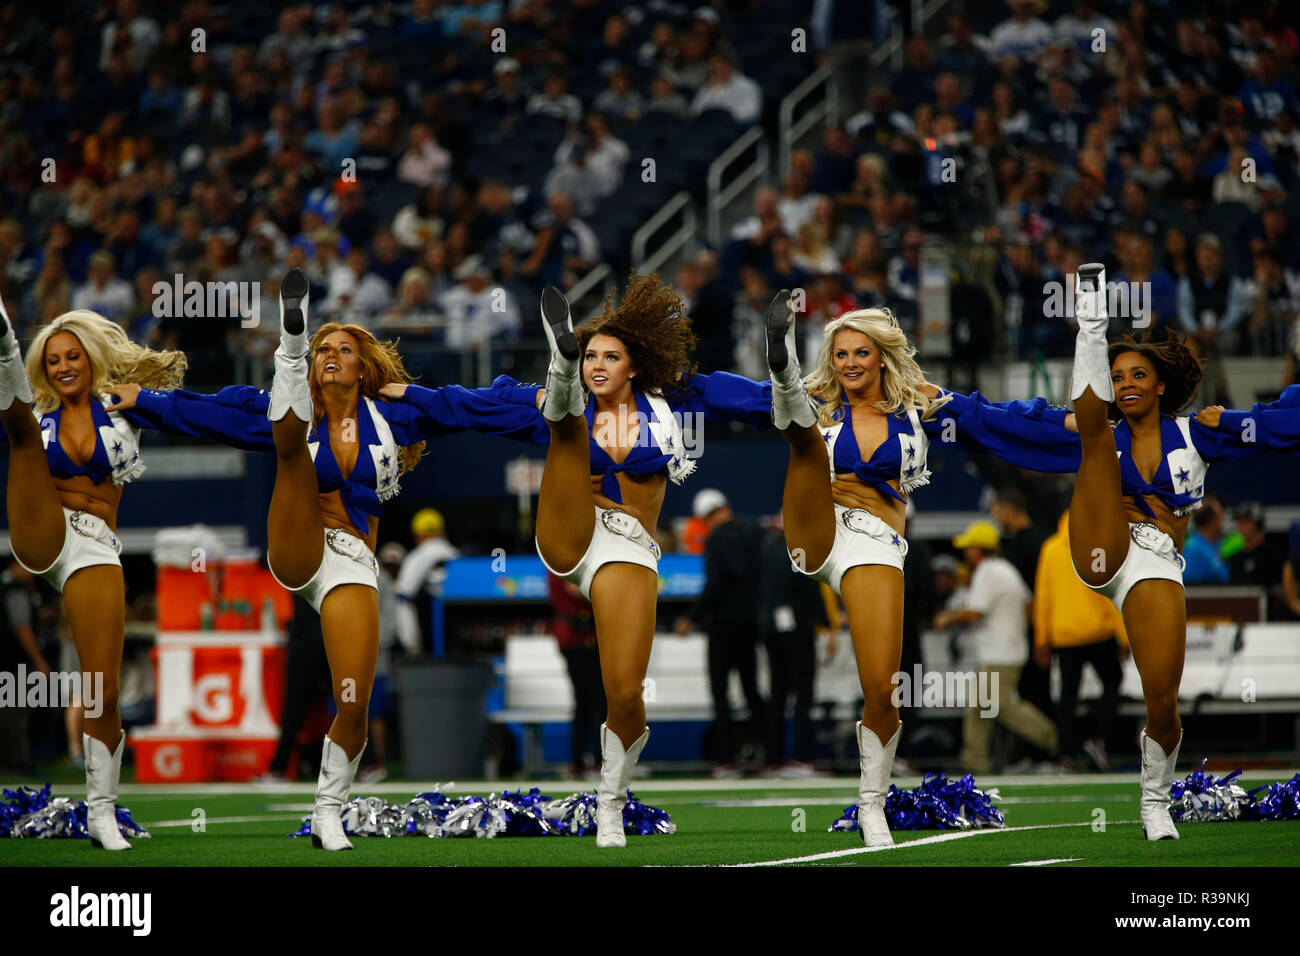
{"x":900,"y":377}
{"x":114,"y":358}
{"x":381,"y":364}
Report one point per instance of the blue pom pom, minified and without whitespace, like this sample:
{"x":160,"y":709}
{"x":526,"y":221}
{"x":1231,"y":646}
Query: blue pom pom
{"x":35,"y":814}
{"x":937,"y":804}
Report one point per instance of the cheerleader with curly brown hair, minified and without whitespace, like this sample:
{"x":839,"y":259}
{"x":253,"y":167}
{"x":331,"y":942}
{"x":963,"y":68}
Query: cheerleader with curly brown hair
{"x":1141,"y":474}
{"x":70,"y":454}
{"x":340,"y":449}
{"x":625,"y":410}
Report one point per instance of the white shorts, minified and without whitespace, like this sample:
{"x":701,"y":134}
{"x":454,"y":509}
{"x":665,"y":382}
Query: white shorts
{"x":345,"y":559}
{"x":87,"y":541}
{"x":618,"y":537}
{"x":860,"y":538}
{"x":1151,"y":554}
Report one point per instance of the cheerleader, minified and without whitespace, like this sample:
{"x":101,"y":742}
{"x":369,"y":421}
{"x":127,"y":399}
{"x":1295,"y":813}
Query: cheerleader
{"x":623,"y":405}
{"x":340,"y":449}
{"x":859,"y":430}
{"x":1141,"y":474}
{"x":70,"y":453}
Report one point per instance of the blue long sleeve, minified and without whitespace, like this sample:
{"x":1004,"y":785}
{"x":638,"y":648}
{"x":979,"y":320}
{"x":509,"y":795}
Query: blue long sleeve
{"x":235,"y":416}
{"x":1272,"y":427}
{"x":424,"y":413}
{"x":1028,"y":434}
{"x":728,"y":397}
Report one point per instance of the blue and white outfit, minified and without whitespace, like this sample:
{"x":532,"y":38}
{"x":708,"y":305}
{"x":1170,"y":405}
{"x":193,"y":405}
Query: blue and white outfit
{"x":237,"y":416}
{"x":661,"y":449}
{"x":88,"y":541}
{"x":971,"y":423}
{"x":1189,"y":447}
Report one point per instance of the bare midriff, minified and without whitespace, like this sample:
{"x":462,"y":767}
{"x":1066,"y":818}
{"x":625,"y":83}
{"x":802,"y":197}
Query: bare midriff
{"x":850,"y":491}
{"x":643,"y":497}
{"x":335,"y":515}
{"x":1165,"y":519}
{"x":81,"y":494}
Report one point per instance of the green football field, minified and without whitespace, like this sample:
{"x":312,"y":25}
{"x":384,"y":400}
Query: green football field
{"x":1051,"y":821}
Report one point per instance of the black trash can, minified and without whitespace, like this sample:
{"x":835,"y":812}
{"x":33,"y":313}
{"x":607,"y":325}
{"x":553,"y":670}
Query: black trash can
{"x":444,"y":718}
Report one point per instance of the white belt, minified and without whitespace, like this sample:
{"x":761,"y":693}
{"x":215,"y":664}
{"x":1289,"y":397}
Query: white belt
{"x":350,"y":546}
{"x":1147,"y":535}
{"x":864,"y":522}
{"x":90,"y":526}
{"x":621,"y":523}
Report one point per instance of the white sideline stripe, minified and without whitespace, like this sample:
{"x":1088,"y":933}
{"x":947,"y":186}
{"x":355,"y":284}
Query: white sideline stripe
{"x":810,"y":801}
{"x":190,"y":822}
{"x":1064,"y":859}
{"x":941,"y":838}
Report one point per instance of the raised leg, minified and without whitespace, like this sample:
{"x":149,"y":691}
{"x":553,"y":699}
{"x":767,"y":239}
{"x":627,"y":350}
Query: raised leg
{"x":350,"y":625}
{"x":1099,"y":535}
{"x":565,"y":503}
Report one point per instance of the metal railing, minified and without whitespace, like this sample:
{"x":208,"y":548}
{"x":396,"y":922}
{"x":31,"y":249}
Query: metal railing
{"x":721,"y":197}
{"x":683,"y":234}
{"x":792,"y":131}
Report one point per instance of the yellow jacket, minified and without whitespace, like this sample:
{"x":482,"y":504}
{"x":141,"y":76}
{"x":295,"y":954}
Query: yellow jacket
{"x":1066,"y":612}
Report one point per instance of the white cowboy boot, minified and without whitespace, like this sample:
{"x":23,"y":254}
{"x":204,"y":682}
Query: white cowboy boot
{"x":875,"y":764}
{"x":103,"y":770}
{"x":332,"y":786}
{"x":615,"y":774}
{"x":790,"y":400}
{"x":1091,"y":354}
{"x":1157,"y":775}
{"x":564,"y":398}
{"x":290,"y":391}
{"x":14,"y":384}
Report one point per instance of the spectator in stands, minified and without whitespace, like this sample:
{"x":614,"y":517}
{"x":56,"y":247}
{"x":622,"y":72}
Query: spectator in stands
{"x":782,"y":271}
{"x":791,"y":612}
{"x":689,"y":68}
{"x":1152,"y":292}
{"x":1273,"y":304}
{"x":478,"y":313}
{"x":1258,"y":563}
{"x":335,"y":139}
{"x":1211,"y":307}
{"x":288,"y":37}
{"x":105,"y":293}
{"x":507,"y":101}
{"x":1023,"y":36}
{"x":1077,"y":626}
{"x":1201,"y":548}
{"x":765,"y":207}
{"x":620,"y":100}
{"x":574,"y":627}
{"x":798,"y":202}
{"x":728,"y":612}
{"x":356,"y":292}
{"x":413,"y":312}
{"x":905,"y":268}
{"x":664,"y":98}
{"x":425,"y":163}
{"x":416,"y":224}
{"x":729,"y":90}
{"x":555,"y":101}
{"x":565,"y":246}
{"x":998,"y":614}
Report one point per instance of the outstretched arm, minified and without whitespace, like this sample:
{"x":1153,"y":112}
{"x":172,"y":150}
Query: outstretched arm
{"x":235,"y":416}
{"x":728,"y":397}
{"x":506,"y":408}
{"x":1224,"y":434}
{"x":1028,"y":434}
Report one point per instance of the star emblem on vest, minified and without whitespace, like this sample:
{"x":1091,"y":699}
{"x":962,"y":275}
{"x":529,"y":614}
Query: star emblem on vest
{"x":385,"y":461}
{"x":894,"y":540}
{"x":117,"y":447}
{"x":911,"y":452}
{"x":911,"y":470}
{"x":1184,"y":475}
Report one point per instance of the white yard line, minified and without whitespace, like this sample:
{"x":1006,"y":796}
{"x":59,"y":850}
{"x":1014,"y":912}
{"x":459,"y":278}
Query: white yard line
{"x":1064,"y":859}
{"x":210,"y":821}
{"x":924,"y":841}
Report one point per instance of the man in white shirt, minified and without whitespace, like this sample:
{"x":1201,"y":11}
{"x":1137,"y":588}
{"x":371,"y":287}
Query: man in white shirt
{"x":998,"y":614}
{"x":421,"y":576}
{"x":1024,"y":35}
{"x":476,"y":311}
{"x":105,"y":293}
{"x":728,"y":90}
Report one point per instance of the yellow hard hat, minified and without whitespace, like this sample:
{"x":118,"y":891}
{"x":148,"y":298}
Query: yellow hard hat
{"x":981,"y":534}
{"x":427,"y":521}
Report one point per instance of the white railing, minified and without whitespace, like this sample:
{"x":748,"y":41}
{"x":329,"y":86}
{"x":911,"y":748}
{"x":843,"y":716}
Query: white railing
{"x":685,"y":232}
{"x":821,"y":81}
{"x":719,"y":196}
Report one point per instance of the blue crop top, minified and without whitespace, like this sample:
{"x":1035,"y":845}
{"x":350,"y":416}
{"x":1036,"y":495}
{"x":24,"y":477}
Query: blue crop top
{"x":116,"y":456}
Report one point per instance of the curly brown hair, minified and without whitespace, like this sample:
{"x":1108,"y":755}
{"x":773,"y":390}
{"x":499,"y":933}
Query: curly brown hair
{"x":1175,"y":366}
{"x":652,"y":324}
{"x":381,"y":364}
